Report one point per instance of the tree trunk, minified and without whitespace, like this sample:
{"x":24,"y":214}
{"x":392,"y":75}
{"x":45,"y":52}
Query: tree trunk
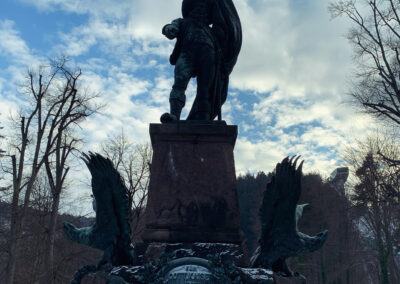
{"x":49,"y":253}
{"x":13,"y":244}
{"x":15,"y":225}
{"x":383,"y":263}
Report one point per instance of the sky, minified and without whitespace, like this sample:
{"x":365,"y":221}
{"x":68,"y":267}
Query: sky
{"x":287,"y":92}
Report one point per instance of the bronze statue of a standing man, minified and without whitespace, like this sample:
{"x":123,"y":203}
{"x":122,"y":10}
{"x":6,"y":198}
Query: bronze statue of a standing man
{"x":209,"y":38}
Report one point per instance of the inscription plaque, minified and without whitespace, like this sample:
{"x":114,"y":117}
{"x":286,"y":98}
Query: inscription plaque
{"x":191,"y":270}
{"x":193,"y":274}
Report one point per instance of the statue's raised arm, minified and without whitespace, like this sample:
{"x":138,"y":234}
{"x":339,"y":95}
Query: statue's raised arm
{"x":208,"y":42}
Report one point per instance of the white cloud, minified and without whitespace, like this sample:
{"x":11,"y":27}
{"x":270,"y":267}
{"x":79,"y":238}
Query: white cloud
{"x":263,"y":155}
{"x":103,"y":8}
{"x":13,"y":47}
{"x":318,"y":129}
{"x":287,"y":43}
{"x":256,"y":156}
{"x":19,"y":56}
{"x":122,"y":109}
{"x":148,"y":17}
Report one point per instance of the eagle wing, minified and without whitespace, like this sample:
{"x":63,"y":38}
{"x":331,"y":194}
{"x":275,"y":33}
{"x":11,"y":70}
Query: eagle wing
{"x":279,"y":214}
{"x":278,"y":210}
{"x":111,"y":230}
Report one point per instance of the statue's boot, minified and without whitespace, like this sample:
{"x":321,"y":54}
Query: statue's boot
{"x":175,"y":111}
{"x":203,"y":110}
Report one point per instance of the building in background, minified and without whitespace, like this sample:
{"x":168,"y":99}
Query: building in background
{"x":338,"y":178}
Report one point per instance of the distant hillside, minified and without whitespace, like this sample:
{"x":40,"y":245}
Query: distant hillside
{"x":68,"y":256}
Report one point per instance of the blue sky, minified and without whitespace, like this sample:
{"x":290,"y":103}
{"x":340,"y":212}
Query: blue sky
{"x":286,"y":93}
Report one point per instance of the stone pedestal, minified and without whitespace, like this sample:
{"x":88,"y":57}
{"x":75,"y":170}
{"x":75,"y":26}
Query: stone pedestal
{"x":192,"y":192}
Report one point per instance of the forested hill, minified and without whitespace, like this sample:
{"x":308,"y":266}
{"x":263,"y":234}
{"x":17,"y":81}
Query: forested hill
{"x":68,"y":256}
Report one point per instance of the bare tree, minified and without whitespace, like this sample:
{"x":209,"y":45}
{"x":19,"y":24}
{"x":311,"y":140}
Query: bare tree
{"x":2,"y":153}
{"x":34,"y":239}
{"x":44,"y":138}
{"x":76,"y":107}
{"x":375,"y":36}
{"x":1,"y":137}
{"x":68,"y":257}
{"x":376,"y":196}
{"x":133,"y":163}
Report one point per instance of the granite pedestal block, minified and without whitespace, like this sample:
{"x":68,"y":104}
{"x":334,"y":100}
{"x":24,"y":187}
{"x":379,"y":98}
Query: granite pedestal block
{"x":192,"y":192}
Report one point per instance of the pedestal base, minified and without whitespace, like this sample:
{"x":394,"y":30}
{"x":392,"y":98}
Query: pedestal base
{"x":192,"y":191}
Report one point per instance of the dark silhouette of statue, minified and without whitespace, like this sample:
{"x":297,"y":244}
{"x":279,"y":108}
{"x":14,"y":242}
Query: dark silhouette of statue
{"x":208,"y":41}
{"x":279,"y":214}
{"x":111,"y":231}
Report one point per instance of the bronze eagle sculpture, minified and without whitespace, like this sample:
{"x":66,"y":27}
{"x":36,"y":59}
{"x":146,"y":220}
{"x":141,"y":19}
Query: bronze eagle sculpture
{"x":111,"y":231}
{"x":279,"y":214}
